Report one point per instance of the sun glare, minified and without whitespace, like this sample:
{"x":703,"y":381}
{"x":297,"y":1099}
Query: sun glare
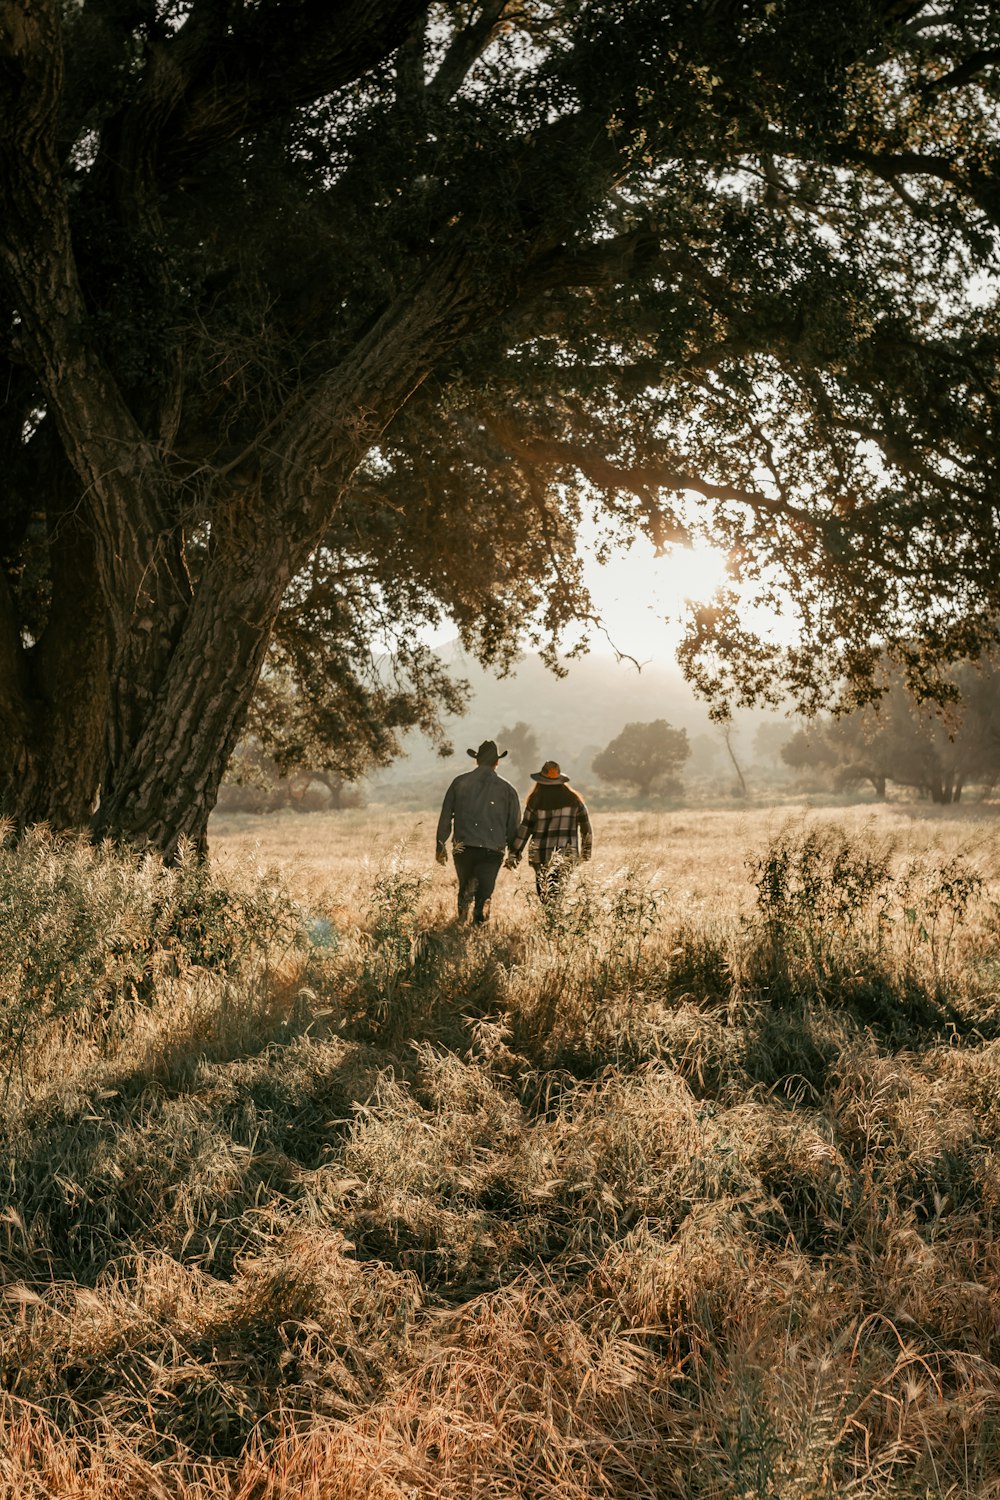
{"x":641,"y":597}
{"x":690,"y":573}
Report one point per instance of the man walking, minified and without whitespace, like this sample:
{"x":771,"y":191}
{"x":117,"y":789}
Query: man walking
{"x":484,"y":811}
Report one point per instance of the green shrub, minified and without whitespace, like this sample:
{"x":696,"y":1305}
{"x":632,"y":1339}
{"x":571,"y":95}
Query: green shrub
{"x":835,"y":922}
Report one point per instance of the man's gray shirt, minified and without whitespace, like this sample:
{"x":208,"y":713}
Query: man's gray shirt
{"x":484,"y":809}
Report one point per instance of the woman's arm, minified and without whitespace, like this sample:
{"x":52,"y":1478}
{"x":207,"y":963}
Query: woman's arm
{"x":586,"y":831}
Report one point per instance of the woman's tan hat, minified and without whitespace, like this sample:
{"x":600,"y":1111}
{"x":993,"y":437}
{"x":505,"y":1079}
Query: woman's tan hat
{"x":550,"y":774}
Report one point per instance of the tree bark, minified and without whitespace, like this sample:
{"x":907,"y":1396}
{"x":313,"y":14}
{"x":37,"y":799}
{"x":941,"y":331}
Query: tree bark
{"x":169,"y":670}
{"x":20,"y":773}
{"x":123,"y":488}
{"x":164,"y":789}
{"x":70,"y":674}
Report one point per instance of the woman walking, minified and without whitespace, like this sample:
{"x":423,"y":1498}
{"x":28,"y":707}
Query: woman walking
{"x":558,"y":824}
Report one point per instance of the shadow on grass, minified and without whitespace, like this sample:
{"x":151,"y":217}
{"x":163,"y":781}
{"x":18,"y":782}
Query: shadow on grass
{"x":94,"y":1176}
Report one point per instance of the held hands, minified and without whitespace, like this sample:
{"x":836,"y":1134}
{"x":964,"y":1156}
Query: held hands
{"x":512,"y":861}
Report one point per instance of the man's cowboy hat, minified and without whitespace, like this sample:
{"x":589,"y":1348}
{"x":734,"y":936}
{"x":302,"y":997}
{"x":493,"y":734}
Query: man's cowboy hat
{"x":487,"y":751}
{"x":550,"y":774}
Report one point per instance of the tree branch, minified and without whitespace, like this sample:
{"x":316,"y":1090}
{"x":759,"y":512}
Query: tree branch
{"x":964,"y":72}
{"x":282,"y":55}
{"x":466,"y":48}
{"x":890,"y":165}
{"x":640,"y":480}
{"x":411,"y":81}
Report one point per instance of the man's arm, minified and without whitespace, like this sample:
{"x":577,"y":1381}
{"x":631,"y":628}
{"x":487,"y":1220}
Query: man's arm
{"x":444,"y":824}
{"x":521,"y":835}
{"x":513,"y":816}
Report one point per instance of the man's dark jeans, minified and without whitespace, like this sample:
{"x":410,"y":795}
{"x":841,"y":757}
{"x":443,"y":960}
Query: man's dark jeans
{"x":477,"y":871}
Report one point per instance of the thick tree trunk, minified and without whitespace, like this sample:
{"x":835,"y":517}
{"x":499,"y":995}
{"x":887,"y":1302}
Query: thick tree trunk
{"x":335,"y":786}
{"x":70,"y":673}
{"x":20,"y":765}
{"x":169,"y":736}
{"x":153,"y":688}
{"x":124,"y":492}
{"x":164,"y":791}
{"x":54,"y":696}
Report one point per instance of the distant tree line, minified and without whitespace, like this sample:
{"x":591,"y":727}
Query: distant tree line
{"x":287,"y":759}
{"x":936,"y":752}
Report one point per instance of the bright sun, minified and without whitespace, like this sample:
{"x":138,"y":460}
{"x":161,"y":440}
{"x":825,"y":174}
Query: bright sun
{"x":690,"y":573}
{"x":641,"y":597}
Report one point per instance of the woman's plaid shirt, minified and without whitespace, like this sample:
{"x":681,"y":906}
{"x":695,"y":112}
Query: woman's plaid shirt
{"x":552,"y":831}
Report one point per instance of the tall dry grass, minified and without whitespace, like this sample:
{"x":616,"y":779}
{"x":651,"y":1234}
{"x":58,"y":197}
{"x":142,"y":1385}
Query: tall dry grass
{"x":688,"y":1191}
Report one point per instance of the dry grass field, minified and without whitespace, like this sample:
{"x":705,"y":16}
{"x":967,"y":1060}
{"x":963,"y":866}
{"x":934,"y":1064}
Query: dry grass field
{"x":690,"y":1191}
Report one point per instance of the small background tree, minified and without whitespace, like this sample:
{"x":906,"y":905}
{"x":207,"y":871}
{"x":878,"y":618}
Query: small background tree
{"x":646,"y":757}
{"x":739,"y":787}
{"x":315,"y":729}
{"x":522,"y":744}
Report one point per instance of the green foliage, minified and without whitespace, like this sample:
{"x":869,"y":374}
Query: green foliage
{"x":89,"y":933}
{"x":935,"y":903}
{"x":594,"y":946}
{"x":399,"y":951}
{"x":327,"y":704}
{"x":836,"y":919}
{"x":824,"y":887}
{"x":910,"y":743}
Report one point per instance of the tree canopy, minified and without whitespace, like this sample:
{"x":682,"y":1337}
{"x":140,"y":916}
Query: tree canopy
{"x":646,"y":757}
{"x":908,"y":743}
{"x":324,"y":322}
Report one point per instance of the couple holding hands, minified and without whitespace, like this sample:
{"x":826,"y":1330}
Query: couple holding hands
{"x":482,"y":813}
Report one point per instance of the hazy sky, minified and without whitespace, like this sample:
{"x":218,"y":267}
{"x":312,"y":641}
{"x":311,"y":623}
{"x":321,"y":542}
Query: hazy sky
{"x":641,"y":599}
{"x":641,"y":596}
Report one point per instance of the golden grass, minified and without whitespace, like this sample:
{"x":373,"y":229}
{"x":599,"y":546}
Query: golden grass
{"x":689,"y":1193}
{"x":698,"y":854}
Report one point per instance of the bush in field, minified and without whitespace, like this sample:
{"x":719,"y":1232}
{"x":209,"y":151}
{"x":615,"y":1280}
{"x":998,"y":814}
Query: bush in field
{"x":823,"y":891}
{"x":397,"y":941}
{"x":85,"y":930}
{"x":835,"y":919}
{"x":593,"y":951}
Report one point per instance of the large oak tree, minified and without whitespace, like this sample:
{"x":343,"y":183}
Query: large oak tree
{"x":321,"y":319}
